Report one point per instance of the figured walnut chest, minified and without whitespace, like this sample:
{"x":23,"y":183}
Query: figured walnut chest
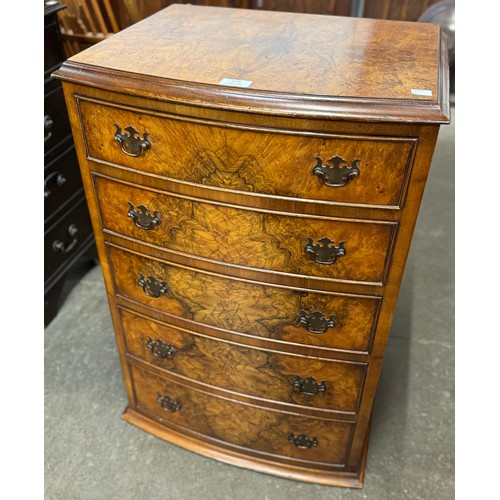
{"x":254,"y":180}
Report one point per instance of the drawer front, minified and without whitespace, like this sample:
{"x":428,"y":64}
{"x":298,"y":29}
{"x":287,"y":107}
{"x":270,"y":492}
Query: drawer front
{"x":328,"y":168}
{"x":56,"y":121}
{"x":288,"y":315}
{"x":352,"y":251}
{"x":255,"y":428}
{"x":295,"y":380}
{"x":62,"y":181}
{"x":65,"y":238}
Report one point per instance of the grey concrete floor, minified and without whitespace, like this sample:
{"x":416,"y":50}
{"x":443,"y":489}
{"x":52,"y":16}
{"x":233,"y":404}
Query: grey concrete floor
{"x":91,"y":453}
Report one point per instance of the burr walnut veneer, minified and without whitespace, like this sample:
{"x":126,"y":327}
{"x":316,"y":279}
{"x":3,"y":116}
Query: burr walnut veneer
{"x":254,"y":180}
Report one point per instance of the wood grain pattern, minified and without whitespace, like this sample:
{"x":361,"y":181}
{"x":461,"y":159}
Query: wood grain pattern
{"x":255,"y":372}
{"x":248,"y":238}
{"x":278,"y":52}
{"x":256,"y":309}
{"x":246,"y":426}
{"x":277,"y":164}
{"x":238,"y":306}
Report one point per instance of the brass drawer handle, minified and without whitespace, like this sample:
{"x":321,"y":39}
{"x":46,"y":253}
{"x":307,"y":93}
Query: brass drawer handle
{"x":168,"y":403}
{"x":302,"y":441}
{"x":151,"y":286}
{"x":336,"y":175}
{"x":309,"y":386}
{"x":142,"y":217}
{"x":66,"y":247}
{"x":322,"y":252}
{"x":160,"y":349}
{"x":129,"y":143}
{"x":316,"y":321}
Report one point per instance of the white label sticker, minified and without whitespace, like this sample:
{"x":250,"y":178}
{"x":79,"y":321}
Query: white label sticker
{"x":421,"y":92}
{"x":235,"y":83}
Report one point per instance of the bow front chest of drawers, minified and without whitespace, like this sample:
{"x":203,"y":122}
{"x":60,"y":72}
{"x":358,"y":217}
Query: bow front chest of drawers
{"x":254,"y":179}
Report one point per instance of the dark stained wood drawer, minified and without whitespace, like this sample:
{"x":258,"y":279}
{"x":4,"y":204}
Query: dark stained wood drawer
{"x":354,"y":250}
{"x":329,"y":320}
{"x":56,"y":120}
{"x":66,"y":237}
{"x":279,"y":163}
{"x":62,"y":180}
{"x":294,"y":380}
{"x":265,"y":431}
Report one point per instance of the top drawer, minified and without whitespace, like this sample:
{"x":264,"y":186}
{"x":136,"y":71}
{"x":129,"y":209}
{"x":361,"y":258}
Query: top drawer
{"x":337,"y":169}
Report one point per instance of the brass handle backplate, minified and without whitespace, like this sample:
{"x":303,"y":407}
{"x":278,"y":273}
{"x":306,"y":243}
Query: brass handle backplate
{"x":335,"y":174}
{"x":325,"y":251}
{"x":129,"y":143}
{"x":168,"y":404}
{"x":142,"y":217}
{"x":160,"y":349}
{"x":316,"y":321}
{"x":309,"y":386}
{"x":151,"y":286}
{"x":302,"y":441}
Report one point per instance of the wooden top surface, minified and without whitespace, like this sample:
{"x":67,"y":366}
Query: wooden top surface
{"x":325,"y":58}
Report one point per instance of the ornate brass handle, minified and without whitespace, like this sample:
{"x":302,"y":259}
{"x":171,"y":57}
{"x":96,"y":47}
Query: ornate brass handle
{"x":336,"y":174}
{"x":59,"y":179}
{"x":65,"y":247}
{"x":302,"y":441}
{"x":151,"y":286}
{"x":168,"y":403}
{"x":316,"y":322}
{"x":309,"y":386}
{"x":129,"y":143}
{"x":323,"y":253}
{"x":160,"y":349}
{"x":142,"y":217}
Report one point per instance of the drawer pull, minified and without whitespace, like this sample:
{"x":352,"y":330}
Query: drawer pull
{"x":65,"y":247}
{"x":142,"y":217}
{"x":168,"y":403}
{"x":129,"y":143}
{"x":309,"y":386}
{"x":316,"y":322}
{"x":302,"y":441}
{"x":336,"y":175}
{"x":160,"y":349}
{"x":47,"y":125}
{"x":151,"y":286}
{"x":323,"y":253}
{"x":59,"y":181}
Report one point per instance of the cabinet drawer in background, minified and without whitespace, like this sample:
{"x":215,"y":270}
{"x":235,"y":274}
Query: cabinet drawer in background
{"x":62,"y":180}
{"x":66,"y":236}
{"x":56,"y":120}
{"x":296,"y":380}
{"x":263,"y":430}
{"x":354,"y":170}
{"x":340,"y":249}
{"x":288,"y":315}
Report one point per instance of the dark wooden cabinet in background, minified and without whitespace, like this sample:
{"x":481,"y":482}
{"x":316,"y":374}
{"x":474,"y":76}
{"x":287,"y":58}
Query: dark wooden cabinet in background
{"x":68,"y":239}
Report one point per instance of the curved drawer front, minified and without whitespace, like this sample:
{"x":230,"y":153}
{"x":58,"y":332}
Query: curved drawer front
{"x":328,"y":248}
{"x":324,"y":167}
{"x":318,"y":319}
{"x":332,"y":385}
{"x":251,"y":427}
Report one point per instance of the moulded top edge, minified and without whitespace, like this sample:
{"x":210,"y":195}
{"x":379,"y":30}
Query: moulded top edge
{"x":255,"y":101}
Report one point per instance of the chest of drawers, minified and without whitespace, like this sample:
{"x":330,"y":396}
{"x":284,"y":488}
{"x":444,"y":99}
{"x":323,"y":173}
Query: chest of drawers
{"x":68,"y":239}
{"x":254,"y":180}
